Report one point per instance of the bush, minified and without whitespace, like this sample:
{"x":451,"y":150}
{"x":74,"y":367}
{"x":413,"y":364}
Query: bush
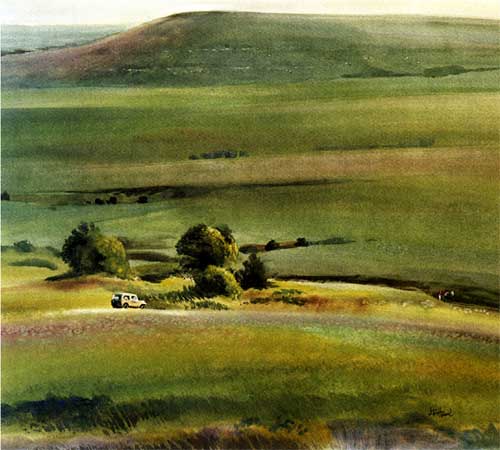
{"x":302,"y":242}
{"x":5,"y":196}
{"x":202,"y":246}
{"x":88,"y":251}
{"x":24,"y":246}
{"x":215,"y":281}
{"x":35,"y":262}
{"x":253,"y":274}
{"x":272,"y":245}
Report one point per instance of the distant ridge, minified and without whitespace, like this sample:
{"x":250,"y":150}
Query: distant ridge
{"x":207,"y":48}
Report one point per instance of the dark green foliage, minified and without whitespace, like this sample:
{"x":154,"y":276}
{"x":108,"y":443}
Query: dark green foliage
{"x":272,"y":245}
{"x":24,"y":246}
{"x":35,"y":262}
{"x":149,"y":255}
{"x":5,"y":196}
{"x":155,"y":273}
{"x":302,"y":242}
{"x":253,"y":274}
{"x":142,"y":199}
{"x":214,"y":281}
{"x":202,"y":246}
{"x":228,"y":154}
{"x":88,"y":251}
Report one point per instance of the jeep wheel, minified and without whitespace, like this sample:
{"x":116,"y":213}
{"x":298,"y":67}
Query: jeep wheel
{"x":125,"y":305}
{"x":142,"y":306}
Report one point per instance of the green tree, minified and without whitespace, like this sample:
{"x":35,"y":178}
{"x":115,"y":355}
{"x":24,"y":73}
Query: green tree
{"x":24,"y":246}
{"x":202,"y":246}
{"x":88,"y":251}
{"x":215,"y":281}
{"x":253,"y":274}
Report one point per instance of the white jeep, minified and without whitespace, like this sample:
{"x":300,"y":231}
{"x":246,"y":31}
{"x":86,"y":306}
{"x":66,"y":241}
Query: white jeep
{"x":126,"y":300}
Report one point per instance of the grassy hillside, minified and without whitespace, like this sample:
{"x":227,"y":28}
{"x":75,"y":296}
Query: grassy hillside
{"x":233,"y":48}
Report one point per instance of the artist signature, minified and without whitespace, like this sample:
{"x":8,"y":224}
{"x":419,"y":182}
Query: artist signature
{"x":439,"y":412}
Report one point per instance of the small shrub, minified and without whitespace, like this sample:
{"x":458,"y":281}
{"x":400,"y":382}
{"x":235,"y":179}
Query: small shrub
{"x":272,"y":245}
{"x":99,"y":201}
{"x":253,"y":274}
{"x":301,"y":242}
{"x":143,"y":199}
{"x":24,"y":246}
{"x":215,"y":281}
{"x":35,"y":262}
{"x":5,"y":196}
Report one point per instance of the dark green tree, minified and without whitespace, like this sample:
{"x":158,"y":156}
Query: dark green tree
{"x":302,"y":242}
{"x":24,"y":246}
{"x":202,"y":246}
{"x":253,"y":274}
{"x":271,"y":245}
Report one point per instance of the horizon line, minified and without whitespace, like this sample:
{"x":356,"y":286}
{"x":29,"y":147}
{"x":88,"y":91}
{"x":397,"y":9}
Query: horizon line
{"x":146,"y":20}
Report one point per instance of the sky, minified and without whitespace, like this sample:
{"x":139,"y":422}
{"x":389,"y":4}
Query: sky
{"x":50,"y":12}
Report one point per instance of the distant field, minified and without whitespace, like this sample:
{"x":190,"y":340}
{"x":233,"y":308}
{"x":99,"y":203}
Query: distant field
{"x":28,"y":38}
{"x":79,"y":131}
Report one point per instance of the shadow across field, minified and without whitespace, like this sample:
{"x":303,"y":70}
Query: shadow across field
{"x":84,"y":415}
{"x":464,"y":294}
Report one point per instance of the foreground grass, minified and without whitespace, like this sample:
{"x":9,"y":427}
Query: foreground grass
{"x":291,"y":363}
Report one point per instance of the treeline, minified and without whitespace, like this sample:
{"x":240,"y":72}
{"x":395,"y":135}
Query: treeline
{"x":229,"y":154}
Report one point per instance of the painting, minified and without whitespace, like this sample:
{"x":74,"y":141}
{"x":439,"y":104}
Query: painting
{"x":235,"y":224}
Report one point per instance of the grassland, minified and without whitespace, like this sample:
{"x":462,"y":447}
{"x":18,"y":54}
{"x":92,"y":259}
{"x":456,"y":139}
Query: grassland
{"x":403,"y":170}
{"x":127,"y":138}
{"x":361,"y":355}
{"x":151,"y":126}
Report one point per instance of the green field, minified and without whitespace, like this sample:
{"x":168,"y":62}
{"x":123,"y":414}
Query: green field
{"x":360,"y":353}
{"x":425,"y":214}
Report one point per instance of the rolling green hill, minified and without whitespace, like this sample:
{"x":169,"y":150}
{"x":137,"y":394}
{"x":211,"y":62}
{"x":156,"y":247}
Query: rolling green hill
{"x":209,"y":48}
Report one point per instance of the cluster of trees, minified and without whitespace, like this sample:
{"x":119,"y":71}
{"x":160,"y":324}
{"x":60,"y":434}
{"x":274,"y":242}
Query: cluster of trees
{"x":89,"y":251}
{"x":208,"y":254}
{"x":231,"y":154}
